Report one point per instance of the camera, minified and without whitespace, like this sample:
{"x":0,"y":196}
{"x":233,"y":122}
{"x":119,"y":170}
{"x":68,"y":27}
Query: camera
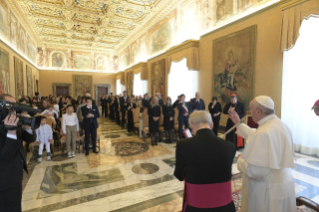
{"x":6,"y":107}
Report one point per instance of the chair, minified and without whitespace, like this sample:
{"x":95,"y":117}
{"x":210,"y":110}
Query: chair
{"x":176,"y":125}
{"x":307,"y":202}
{"x":136,"y":119}
{"x":146,"y":129}
{"x":161,"y":124}
{"x":79,"y":141}
{"x":250,"y":122}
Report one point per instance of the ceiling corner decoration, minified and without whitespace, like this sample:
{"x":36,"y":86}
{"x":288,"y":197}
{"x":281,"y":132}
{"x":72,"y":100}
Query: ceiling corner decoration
{"x":99,"y":25}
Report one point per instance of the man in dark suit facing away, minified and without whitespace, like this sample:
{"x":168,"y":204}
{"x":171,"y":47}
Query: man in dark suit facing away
{"x":204,"y":162}
{"x":90,"y":115}
{"x":123,"y":106}
{"x":12,"y":161}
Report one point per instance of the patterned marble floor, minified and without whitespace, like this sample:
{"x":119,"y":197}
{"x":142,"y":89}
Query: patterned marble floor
{"x":128,"y":175}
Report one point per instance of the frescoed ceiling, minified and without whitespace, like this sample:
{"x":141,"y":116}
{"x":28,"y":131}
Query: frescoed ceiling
{"x":98,"y":24}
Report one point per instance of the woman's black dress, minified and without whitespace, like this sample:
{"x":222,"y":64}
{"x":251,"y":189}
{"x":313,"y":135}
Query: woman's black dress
{"x":217,"y":108}
{"x":130,"y":119}
{"x":168,"y":112}
{"x":154,"y":112}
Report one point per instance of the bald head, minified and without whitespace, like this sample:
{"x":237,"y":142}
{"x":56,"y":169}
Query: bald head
{"x":197,"y":95}
{"x":200,"y":119}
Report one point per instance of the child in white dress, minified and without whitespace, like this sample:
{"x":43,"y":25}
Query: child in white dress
{"x":44,"y":136}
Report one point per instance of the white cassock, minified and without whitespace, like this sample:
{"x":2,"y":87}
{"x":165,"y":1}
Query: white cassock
{"x":265,"y":164}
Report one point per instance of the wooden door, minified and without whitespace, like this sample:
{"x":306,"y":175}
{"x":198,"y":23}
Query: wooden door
{"x":62,"y":90}
{"x":100,"y":92}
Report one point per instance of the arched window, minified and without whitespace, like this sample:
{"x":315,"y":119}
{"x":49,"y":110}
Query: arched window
{"x":139,"y":86}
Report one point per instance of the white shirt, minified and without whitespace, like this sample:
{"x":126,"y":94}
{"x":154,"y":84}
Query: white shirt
{"x":46,"y":111}
{"x":266,"y":162}
{"x":44,"y":133}
{"x":70,"y":120}
{"x":56,"y":108}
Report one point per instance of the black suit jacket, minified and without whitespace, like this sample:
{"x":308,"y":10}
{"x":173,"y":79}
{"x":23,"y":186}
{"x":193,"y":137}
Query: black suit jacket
{"x":87,"y":121}
{"x":197,"y":105}
{"x":145,"y":103}
{"x":122,"y":103}
{"x":13,"y":160}
{"x":204,"y":158}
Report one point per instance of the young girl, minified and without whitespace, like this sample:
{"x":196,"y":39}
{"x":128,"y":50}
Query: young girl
{"x":130,"y":119}
{"x":70,"y":127}
{"x":141,"y":121}
{"x":168,"y":112}
{"x":44,"y":136}
{"x":50,"y":112}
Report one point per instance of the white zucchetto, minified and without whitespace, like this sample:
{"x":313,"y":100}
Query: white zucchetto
{"x":266,"y":101}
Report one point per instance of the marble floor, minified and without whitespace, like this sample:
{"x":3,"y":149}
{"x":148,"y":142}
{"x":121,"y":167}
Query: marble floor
{"x":128,"y":175}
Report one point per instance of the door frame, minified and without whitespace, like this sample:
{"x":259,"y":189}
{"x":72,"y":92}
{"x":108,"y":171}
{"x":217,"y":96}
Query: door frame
{"x":54,"y":85}
{"x":108,"y":86}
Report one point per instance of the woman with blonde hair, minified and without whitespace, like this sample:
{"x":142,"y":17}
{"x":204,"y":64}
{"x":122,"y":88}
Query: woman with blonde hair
{"x":154,"y":113}
{"x":169,"y":113}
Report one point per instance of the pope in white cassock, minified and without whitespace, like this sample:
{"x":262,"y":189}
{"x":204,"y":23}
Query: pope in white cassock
{"x":266,"y":162}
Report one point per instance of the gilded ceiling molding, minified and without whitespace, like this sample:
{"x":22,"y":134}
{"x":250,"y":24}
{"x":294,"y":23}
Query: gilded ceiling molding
{"x":286,"y":4}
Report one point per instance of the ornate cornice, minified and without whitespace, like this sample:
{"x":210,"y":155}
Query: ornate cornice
{"x":286,"y":4}
{"x":139,"y":65}
{"x":187,"y":44}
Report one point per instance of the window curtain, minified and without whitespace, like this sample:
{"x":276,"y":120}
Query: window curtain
{"x":119,"y":87}
{"x":187,"y":50}
{"x":292,"y":18}
{"x":139,"y":85}
{"x":182,"y":81}
{"x":300,"y":89}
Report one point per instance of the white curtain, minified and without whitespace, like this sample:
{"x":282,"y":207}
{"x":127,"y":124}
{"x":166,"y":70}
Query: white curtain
{"x":300,"y":88}
{"x":139,"y":86}
{"x":182,"y":81}
{"x":119,"y":87}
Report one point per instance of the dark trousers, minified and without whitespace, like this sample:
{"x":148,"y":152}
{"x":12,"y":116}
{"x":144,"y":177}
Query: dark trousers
{"x":103,"y":111}
{"x":10,"y":199}
{"x":130,"y":122}
{"x":216,"y":126}
{"x":106,"y":112}
{"x":117,"y":116}
{"x":123,"y":117}
{"x":181,"y":122}
{"x":90,"y":132}
{"x":112,"y":115}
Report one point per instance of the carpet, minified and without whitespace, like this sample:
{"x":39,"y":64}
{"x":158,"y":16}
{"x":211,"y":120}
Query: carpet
{"x":237,"y":202}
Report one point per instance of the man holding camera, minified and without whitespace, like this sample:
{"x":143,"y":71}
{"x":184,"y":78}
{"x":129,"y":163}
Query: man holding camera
{"x":12,"y":161}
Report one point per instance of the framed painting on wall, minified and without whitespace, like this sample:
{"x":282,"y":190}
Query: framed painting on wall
{"x":3,"y":21}
{"x":81,"y":85}
{"x":234,"y":66}
{"x":18,"y":76}
{"x":130,"y":83}
{"x":158,"y":78}
{"x":161,"y":36}
{"x":81,"y":60}
{"x":4,"y":72}
{"x":29,"y":81}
